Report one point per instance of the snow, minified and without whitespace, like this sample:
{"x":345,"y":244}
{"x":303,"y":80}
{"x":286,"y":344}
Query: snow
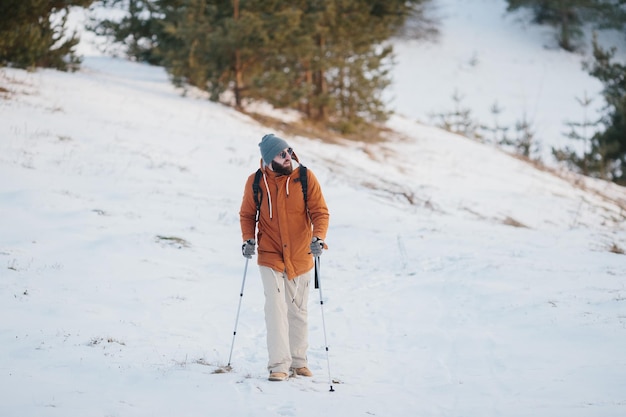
{"x":120,"y":263}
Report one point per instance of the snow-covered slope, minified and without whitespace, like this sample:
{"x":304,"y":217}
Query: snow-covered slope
{"x":490,"y":57}
{"x":121,"y":266}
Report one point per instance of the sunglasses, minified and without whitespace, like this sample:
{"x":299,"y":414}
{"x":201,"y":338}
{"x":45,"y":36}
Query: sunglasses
{"x":283,"y":154}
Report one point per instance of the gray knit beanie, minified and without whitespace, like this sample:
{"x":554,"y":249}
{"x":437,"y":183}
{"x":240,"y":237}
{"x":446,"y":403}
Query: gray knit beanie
{"x":271,"y":146}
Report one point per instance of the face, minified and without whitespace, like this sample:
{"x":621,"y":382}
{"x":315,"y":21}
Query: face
{"x":282,"y":162}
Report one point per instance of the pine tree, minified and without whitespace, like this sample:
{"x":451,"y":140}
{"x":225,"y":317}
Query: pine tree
{"x":188,"y":52}
{"x":30,"y":37}
{"x":604,"y":151}
{"x":566,"y":15}
{"x":140,"y":30}
{"x":458,"y":120}
{"x":326,"y":58}
{"x":280,"y":68}
{"x":609,"y":146}
{"x":350,"y":68}
{"x":497,"y":132}
{"x":611,"y":14}
{"x":524,"y":142}
{"x":582,"y":132}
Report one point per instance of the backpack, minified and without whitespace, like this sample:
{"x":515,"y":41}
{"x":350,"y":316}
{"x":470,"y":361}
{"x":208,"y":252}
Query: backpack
{"x":258,"y":195}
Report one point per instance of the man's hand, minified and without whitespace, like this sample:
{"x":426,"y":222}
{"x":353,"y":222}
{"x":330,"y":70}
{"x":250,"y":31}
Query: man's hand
{"x":247,"y":249}
{"x":317,"y":245}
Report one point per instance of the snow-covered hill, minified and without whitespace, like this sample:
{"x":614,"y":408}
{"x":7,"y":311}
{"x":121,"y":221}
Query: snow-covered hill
{"x":489,"y":57}
{"x":459,"y":282}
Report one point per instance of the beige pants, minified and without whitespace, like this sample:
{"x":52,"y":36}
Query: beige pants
{"x":286,"y":319}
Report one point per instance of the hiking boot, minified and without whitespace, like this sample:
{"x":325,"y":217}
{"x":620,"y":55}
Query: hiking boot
{"x":304,"y":371}
{"x":278,"y":376}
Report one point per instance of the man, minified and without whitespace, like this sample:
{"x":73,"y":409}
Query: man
{"x":291,"y":232}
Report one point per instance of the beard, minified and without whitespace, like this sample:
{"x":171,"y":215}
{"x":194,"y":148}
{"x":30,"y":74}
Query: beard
{"x":282,"y":169}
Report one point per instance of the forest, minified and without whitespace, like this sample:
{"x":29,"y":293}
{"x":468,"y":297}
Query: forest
{"x":330,"y":60}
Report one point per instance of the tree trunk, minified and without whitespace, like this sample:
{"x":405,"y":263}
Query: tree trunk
{"x":321,"y":87}
{"x":308,"y":74}
{"x":237,"y":63}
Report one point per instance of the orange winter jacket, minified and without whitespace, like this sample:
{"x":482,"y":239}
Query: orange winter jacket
{"x":284,"y":228}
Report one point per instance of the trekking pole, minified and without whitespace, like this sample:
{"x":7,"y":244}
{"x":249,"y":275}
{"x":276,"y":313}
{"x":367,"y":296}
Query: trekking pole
{"x":243,"y":283}
{"x":318,"y":283}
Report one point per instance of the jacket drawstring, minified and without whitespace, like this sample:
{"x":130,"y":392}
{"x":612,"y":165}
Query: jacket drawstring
{"x":269,"y":197}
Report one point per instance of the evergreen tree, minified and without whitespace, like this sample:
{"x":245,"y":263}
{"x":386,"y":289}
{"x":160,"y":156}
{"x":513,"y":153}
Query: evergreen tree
{"x":611,"y":14}
{"x":497,"y":133}
{"x":326,"y":58}
{"x":188,"y":53}
{"x":458,"y":120}
{"x":524,"y":142}
{"x":566,"y":15}
{"x":604,"y":151}
{"x":33,"y":33}
{"x":610,"y":145}
{"x":272,"y":50}
{"x":140,"y":30}
{"x":582,"y":132}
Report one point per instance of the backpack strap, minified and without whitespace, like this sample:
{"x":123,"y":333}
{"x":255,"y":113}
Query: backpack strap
{"x":256,"y":190}
{"x":304,"y":183}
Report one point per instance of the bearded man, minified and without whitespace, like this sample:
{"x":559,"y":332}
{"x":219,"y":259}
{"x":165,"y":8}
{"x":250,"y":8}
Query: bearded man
{"x":290,"y":232}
